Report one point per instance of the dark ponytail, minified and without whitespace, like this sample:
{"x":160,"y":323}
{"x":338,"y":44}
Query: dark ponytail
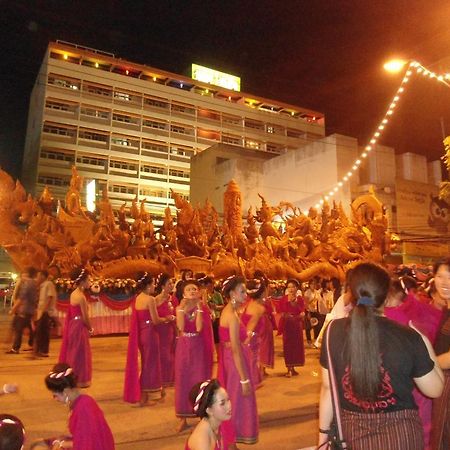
{"x":369,"y":285}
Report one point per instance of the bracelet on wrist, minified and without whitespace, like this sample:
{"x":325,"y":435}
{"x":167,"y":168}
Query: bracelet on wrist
{"x":199,"y":310}
{"x":244,"y":381}
{"x":5,"y":389}
{"x":181,"y":310}
{"x":324,"y":431}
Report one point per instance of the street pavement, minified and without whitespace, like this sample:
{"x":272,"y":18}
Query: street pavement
{"x":288,"y":407}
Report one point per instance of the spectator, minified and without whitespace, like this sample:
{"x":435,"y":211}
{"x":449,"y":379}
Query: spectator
{"x":377,"y":363}
{"x":46,"y":312}
{"x":23,"y":309}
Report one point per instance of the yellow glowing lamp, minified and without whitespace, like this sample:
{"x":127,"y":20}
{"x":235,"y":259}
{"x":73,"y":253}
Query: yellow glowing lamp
{"x":394,"y":65}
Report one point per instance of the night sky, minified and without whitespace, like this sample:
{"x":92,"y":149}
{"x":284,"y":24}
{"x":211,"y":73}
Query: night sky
{"x":323,"y":55}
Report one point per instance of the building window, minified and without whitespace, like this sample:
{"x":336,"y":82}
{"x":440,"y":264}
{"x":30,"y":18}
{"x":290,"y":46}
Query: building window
{"x":178,"y":173}
{"x":154,"y":169}
{"x":122,"y":96}
{"x":92,"y":136}
{"x":102,"y":91}
{"x":121,"y":189}
{"x":61,"y":81}
{"x":58,"y":156}
{"x":155,"y":147}
{"x":53,"y":181}
{"x":254,"y":124}
{"x":49,"y":104}
{"x":156,"y":103}
{"x":59,"y":130}
{"x":231,"y":139}
{"x":153,"y":193}
{"x":252,"y":144}
{"x":94,"y":112}
{"x":91,"y":161}
{"x":181,"y":130}
{"x":125,"y":119}
{"x":122,"y":165}
{"x":184,"y":109}
{"x":155,"y":124}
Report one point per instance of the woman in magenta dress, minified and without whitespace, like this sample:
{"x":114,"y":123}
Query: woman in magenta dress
{"x":292,"y":308}
{"x":211,"y":403}
{"x":75,"y":347}
{"x":403,"y":307}
{"x":88,"y":427}
{"x":143,"y":339}
{"x":252,"y":319}
{"x":166,"y":329}
{"x":234,"y":370}
{"x":190,"y":354}
{"x":267,"y":345}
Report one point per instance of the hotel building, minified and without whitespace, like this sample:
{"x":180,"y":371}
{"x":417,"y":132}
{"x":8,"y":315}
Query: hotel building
{"x":133,"y":128}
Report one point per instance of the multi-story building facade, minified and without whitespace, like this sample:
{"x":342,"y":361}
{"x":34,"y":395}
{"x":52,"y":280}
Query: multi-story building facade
{"x":133,"y":128}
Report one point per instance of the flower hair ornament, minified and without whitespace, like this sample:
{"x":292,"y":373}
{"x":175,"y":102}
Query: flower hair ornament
{"x":142,"y":278}
{"x":199,"y":397}
{"x":227,"y":281}
{"x":79,"y":277}
{"x":402,"y":284}
{"x":257,"y":287}
{"x":58,"y":375}
{"x":8,"y":421}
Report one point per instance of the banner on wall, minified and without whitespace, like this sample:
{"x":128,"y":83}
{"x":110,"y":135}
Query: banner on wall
{"x":419,"y":209}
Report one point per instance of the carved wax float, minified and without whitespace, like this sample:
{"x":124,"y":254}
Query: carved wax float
{"x":123,"y":243}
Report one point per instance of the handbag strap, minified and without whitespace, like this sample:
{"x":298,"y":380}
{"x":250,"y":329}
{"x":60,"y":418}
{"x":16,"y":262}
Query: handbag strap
{"x":334,"y":391}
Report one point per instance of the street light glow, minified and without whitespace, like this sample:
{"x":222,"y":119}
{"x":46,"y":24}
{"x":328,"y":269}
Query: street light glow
{"x":394,"y":65}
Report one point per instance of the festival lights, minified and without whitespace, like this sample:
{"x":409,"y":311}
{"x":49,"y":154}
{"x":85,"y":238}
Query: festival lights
{"x":414,"y":67}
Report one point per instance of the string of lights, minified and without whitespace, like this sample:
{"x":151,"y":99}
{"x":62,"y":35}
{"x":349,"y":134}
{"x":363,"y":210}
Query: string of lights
{"x":413,"y":68}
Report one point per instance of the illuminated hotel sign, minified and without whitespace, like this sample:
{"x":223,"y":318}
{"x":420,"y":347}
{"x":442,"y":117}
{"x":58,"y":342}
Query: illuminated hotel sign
{"x":215,"y":77}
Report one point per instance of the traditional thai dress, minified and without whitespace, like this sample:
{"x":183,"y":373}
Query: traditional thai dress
{"x":291,"y":326}
{"x":219,"y":445}
{"x":254,"y":345}
{"x":440,"y":435}
{"x":267,"y":347}
{"x":88,"y":426}
{"x":75,"y":347}
{"x":208,"y":336}
{"x":142,"y":337}
{"x":190,"y":364}
{"x":427,"y":319}
{"x":243,"y":425}
{"x":167,"y":340}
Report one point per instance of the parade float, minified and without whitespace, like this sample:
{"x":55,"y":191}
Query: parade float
{"x":115,"y":246}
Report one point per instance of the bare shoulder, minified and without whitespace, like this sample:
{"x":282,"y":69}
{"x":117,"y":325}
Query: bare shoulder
{"x":199,"y":439}
{"x":142,"y":301}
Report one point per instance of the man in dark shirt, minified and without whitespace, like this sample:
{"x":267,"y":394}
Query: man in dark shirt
{"x":24,"y":308}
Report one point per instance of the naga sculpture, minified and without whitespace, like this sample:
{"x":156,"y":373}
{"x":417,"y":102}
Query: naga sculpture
{"x":120,"y":244}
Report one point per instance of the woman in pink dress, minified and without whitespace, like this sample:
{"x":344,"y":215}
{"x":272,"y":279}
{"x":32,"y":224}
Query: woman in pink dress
{"x":292,"y":308}
{"x":234,"y":370}
{"x":403,"y":307}
{"x":252,"y":318}
{"x":75,"y":347}
{"x":143,"y":339}
{"x":211,"y":403}
{"x":166,"y":329}
{"x":190,"y":354}
{"x":88,"y":427}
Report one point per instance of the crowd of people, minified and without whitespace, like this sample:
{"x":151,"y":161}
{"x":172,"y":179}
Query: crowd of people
{"x":376,"y":335}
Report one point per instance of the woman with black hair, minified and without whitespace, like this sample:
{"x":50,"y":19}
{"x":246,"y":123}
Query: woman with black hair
{"x":87,"y":425}
{"x":251,"y":318}
{"x":440,"y":434}
{"x":166,"y":328}
{"x":75,"y":347}
{"x":376,"y":363}
{"x":234,"y":367}
{"x":212,"y":405}
{"x":292,"y":308}
{"x":143,"y":337}
{"x":12,"y":433}
{"x":190,"y":354}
